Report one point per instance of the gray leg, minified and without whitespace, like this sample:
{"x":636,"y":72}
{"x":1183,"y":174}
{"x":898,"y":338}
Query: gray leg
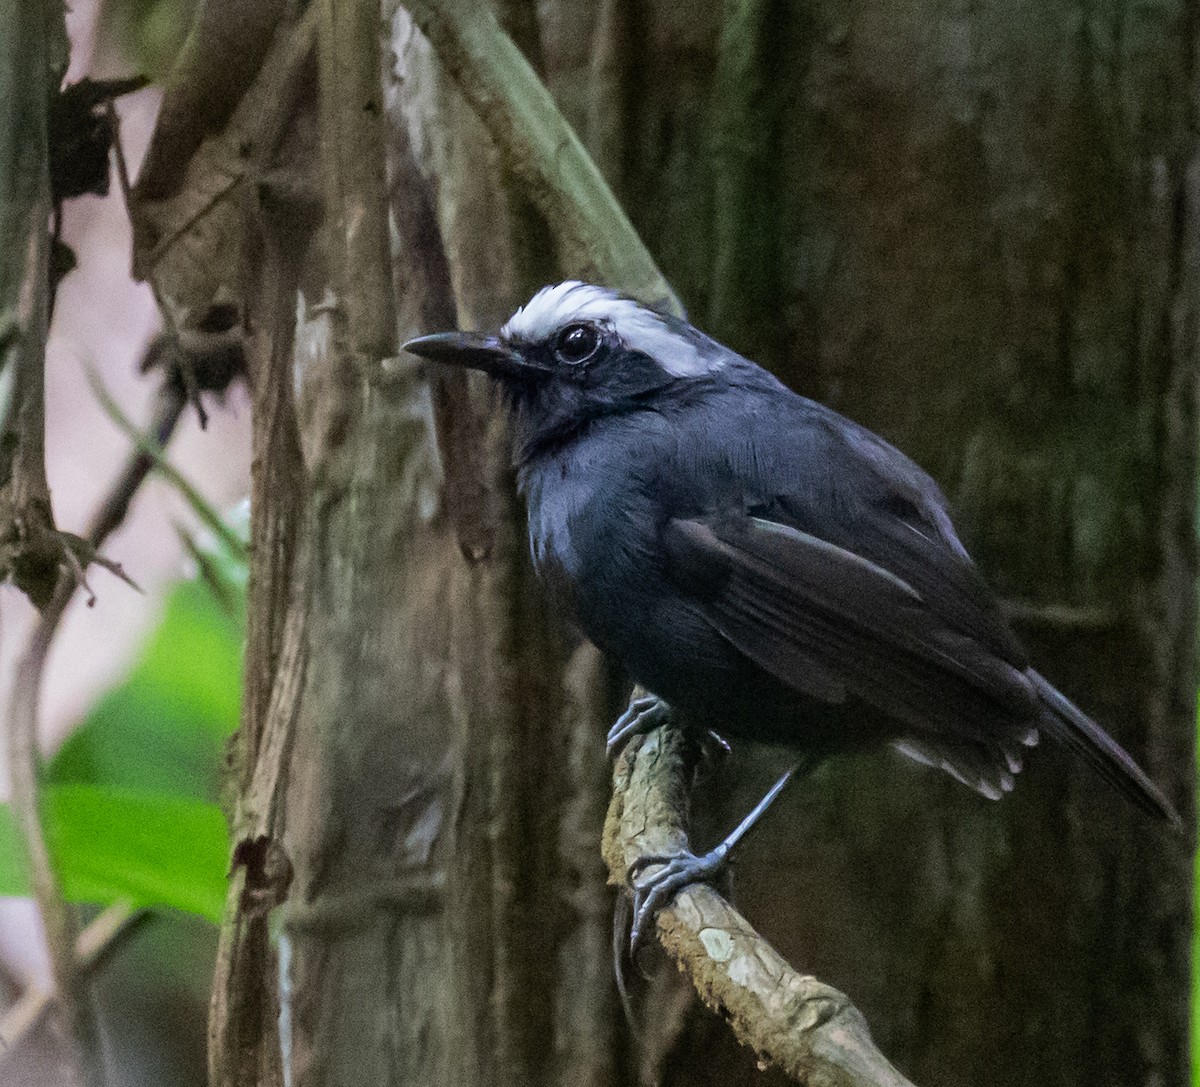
{"x":642,"y":715}
{"x":682,"y":869}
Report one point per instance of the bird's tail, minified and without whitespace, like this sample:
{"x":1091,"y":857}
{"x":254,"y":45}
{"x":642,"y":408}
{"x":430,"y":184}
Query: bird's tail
{"x":1070,"y":726}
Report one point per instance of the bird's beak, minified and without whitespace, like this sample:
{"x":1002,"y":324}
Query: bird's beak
{"x":475,"y":350}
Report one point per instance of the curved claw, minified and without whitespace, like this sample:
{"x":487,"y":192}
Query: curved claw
{"x":679,"y":870}
{"x":640,"y":716}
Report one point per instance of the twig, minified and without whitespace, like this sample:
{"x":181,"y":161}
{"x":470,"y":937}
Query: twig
{"x":170,"y":324}
{"x":540,"y":147}
{"x":148,"y":446}
{"x":113,"y":510}
{"x":808,"y":1029}
{"x":58,"y":919}
{"x":93,"y":949}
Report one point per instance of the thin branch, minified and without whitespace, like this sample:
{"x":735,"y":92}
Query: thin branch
{"x":148,"y":446}
{"x":93,"y":948}
{"x":170,"y":325}
{"x":541,"y":149}
{"x":808,"y":1029}
{"x":58,"y":918}
{"x":113,"y":510}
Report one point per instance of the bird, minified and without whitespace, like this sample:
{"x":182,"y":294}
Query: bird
{"x":762,"y":566}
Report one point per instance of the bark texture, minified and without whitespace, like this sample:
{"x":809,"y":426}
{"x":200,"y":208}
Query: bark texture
{"x":972,"y":229}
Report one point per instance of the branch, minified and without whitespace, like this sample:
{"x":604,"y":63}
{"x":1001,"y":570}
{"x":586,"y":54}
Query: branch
{"x":58,"y":919}
{"x":31,"y":552}
{"x":93,"y":949}
{"x":810,"y":1030}
{"x":540,"y":148}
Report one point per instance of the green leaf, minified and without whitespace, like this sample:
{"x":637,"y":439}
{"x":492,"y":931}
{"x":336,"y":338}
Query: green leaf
{"x":110,"y":845}
{"x":163,"y":730}
{"x":129,"y":800}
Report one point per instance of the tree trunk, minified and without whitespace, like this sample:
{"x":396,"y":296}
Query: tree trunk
{"x":973,"y":230}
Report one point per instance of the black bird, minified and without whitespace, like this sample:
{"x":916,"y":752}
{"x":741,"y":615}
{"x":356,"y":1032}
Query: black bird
{"x":764,"y":566}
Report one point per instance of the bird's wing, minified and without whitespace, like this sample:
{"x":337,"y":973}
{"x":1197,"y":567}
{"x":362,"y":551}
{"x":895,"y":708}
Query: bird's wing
{"x":829,"y":559}
{"x":791,"y":600}
{"x":876,"y":503}
{"x":905,"y":540}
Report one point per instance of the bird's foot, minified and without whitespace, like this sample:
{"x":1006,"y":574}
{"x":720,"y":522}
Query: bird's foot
{"x":641,"y":715}
{"x":679,"y":870}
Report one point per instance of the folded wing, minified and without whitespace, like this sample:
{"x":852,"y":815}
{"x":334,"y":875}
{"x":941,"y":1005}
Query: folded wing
{"x":829,"y":622}
{"x":920,"y":641}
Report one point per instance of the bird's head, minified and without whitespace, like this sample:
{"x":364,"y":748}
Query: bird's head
{"x":575,"y":352}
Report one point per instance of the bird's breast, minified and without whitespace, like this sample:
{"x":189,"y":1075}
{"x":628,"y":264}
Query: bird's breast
{"x":590,"y":530}
{"x":549,"y":509}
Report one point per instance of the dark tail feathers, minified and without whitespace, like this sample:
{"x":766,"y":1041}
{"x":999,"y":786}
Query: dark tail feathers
{"x":1071,"y":727}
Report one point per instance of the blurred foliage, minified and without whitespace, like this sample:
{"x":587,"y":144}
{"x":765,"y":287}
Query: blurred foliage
{"x":162,"y":730}
{"x":149,"y":32}
{"x":142,"y":848}
{"x":130,"y":800}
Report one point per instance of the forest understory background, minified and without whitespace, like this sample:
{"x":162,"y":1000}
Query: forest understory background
{"x":971,"y":230}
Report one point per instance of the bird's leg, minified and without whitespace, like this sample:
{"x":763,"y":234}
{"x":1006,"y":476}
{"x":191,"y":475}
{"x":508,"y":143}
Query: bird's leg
{"x":682,"y":869}
{"x":643,"y":713}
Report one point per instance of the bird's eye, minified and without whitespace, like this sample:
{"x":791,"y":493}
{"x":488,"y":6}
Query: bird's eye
{"x":577,"y":343}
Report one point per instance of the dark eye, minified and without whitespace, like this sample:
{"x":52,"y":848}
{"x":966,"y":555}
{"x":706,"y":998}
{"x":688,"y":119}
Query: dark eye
{"x":577,"y":343}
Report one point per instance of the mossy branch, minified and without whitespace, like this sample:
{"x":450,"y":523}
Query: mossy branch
{"x":793,"y":1021}
{"x":597,"y":241}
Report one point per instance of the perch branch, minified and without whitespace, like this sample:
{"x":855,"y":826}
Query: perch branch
{"x":806,"y":1028}
{"x":541,"y":149}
